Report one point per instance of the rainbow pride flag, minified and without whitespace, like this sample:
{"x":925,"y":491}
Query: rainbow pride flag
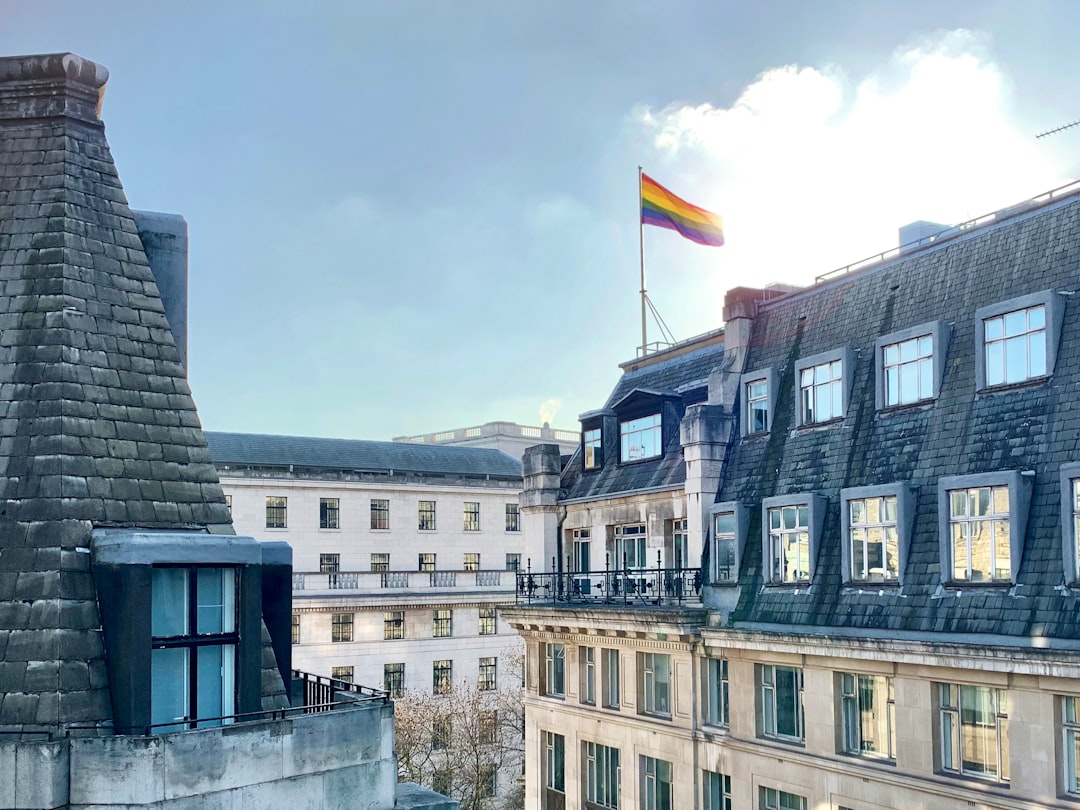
{"x":662,"y":208}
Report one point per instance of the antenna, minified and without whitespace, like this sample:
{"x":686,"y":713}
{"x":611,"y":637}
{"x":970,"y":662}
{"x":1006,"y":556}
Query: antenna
{"x":1057,"y":129}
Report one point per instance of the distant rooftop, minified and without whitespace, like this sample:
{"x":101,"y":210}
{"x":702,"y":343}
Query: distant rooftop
{"x":259,"y":450}
{"x":508,"y":429}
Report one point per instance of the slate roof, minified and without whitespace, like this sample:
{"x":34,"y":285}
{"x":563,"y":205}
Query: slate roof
{"x":684,"y":376}
{"x":1034,"y":426}
{"x":97,"y":424}
{"x":259,"y":450}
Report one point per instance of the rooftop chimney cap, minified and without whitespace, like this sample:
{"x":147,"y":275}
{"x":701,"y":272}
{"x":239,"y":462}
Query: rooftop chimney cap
{"x":51,"y":85}
{"x":53,"y":66}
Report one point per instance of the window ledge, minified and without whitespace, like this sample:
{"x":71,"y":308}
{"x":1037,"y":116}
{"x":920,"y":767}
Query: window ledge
{"x":1001,"y":388}
{"x":640,"y":460}
{"x":959,"y":585}
{"x":907,"y":407}
{"x":757,"y":434}
{"x":380,"y":531}
{"x":811,"y":425}
{"x":655,"y":716}
{"x":871,"y":585}
{"x":788,"y":586}
{"x":785,"y":741}
{"x":974,"y":779}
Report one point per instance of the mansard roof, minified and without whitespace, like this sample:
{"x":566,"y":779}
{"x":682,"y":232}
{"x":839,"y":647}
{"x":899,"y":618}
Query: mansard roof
{"x":679,"y":380}
{"x":1034,"y":428}
{"x":258,"y":450}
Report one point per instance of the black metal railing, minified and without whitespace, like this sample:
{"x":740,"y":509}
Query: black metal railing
{"x":624,"y":586}
{"x":321,"y":694}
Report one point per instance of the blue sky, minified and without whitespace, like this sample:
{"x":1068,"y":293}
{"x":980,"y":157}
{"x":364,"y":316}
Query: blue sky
{"x":412,"y":216}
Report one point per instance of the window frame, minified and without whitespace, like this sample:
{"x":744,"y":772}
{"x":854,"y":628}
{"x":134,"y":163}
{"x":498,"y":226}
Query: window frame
{"x":767,"y":701}
{"x":513,"y":561}
{"x":846,"y":356}
{"x":470,"y":516}
{"x":779,"y":795}
{"x":426,"y":561}
{"x":554,"y":762}
{"x":600,"y":765}
{"x":772,"y":382}
{"x":442,"y":623}
{"x":426,"y":516}
{"x":658,"y":428}
{"x":655,"y":675}
{"x":379,"y":510}
{"x":716,"y":706}
{"x":956,"y":741}
{"x":393,"y":625}
{"x":554,"y":671}
{"x":815,"y":504}
{"x":394,"y":679}
{"x":722,"y":789}
{"x":741,"y":515}
{"x":513,"y":517}
{"x":656,"y":792}
{"x":379,"y":562}
{"x":442,"y":676}
{"x":1055,"y":312}
{"x":279,"y":513}
{"x":1070,"y":737}
{"x":586,"y":675}
{"x":852,"y":741}
{"x":470,"y":561}
{"x":295,"y":629}
{"x":344,"y":673}
{"x":905,"y":522}
{"x":939,"y":333}
{"x":341,"y":627}
{"x":329,"y":514}
{"x":1070,"y":524}
{"x":1019,"y":500}
{"x":596,"y":443}
{"x":487,"y":673}
{"x":610,"y":685}
{"x":487,"y":625}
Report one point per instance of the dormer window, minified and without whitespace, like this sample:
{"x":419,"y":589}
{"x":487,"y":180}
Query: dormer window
{"x":640,"y":438}
{"x":594,"y":454}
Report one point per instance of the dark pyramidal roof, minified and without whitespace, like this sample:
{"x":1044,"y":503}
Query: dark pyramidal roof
{"x":257,"y":450}
{"x":97,"y":424}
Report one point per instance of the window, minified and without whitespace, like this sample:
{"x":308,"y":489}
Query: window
{"x":426,"y":562}
{"x":1017,"y":340}
{"x":554,"y":763}
{"x":513,"y":562}
{"x":296,"y":628}
{"x":440,"y":733}
{"x":780,"y":693}
{"x":328,"y":513}
{"x":1014,"y":346}
{"x":630,"y":546}
{"x":487,"y":726}
{"x":981,"y":521}
{"x":724,"y":569}
{"x":442,"y":674}
{"x":487,"y":621}
{"x":824,"y":382}
{"x":329,"y":563}
{"x":640,"y":438}
{"x":380,"y":561}
{"x":426,"y":515}
{"x":874,"y":539}
{"x":789,"y":544}
{"x":471,"y":516}
{"x":393,"y":625}
{"x":772,"y":799}
{"x":594,"y":454}
{"x":394,"y":679}
{"x":757,"y":406}
{"x":513,"y":517}
{"x":974,"y":731}
{"x":678,"y":543}
{"x":554,"y":670}
{"x":609,"y":660}
{"x":1070,"y":729}
{"x":868,"y":710}
{"x":1070,"y":522}
{"x":717,"y":790}
{"x":276,"y":512}
{"x":472,"y":561}
{"x":193,"y":645}
{"x":488,"y":673}
{"x":380,"y":513}
{"x":441,"y":623}
{"x":486,"y":782}
{"x":228,"y":503}
{"x":341,"y":626}
{"x":655,"y":672}
{"x":601,"y":775}
{"x":342,"y":674}
{"x":716,"y":696}
{"x":587,"y":675}
{"x":979,"y":534}
{"x":581,"y":540}
{"x":907,"y":369}
{"x":655,"y":784}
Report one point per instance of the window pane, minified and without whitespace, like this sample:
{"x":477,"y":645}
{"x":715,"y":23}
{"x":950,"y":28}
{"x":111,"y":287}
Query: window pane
{"x":216,"y":678}
{"x":992,"y":328}
{"x":216,"y":609}
{"x":168,"y":685}
{"x":995,"y":363}
{"x":1016,"y":359}
{"x":1015,"y":323}
{"x":1037,"y":346}
{"x":909,"y":382}
{"x":168,"y":598}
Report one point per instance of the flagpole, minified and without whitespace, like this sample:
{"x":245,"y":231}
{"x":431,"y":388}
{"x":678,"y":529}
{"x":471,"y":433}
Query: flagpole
{"x":641,"y":246}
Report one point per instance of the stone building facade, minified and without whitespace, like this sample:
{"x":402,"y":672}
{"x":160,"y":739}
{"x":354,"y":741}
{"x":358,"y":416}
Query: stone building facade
{"x":889,"y":615}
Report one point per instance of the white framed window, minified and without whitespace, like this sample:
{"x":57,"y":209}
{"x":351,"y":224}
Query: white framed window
{"x":554,"y":670}
{"x":758,"y":390}
{"x":654,"y":671}
{"x":655,"y":784}
{"x":874,"y":538}
{"x":824,"y":381}
{"x":554,"y":746}
{"x":773,"y":799}
{"x":791,"y":528}
{"x":609,"y":666}
{"x":594,"y":454}
{"x":723,"y":566}
{"x":974,"y":731}
{"x":602,"y":775}
{"x":780,"y":693}
{"x":1070,"y":748}
{"x":587,"y":675}
{"x":716,"y":788}
{"x":678,"y":544}
{"x":981,"y":520}
{"x":716,"y":694}
{"x":909,"y":364}
{"x":640,"y":438}
{"x":630,"y":546}
{"x":1070,"y":522}
{"x":1017,"y":340}
{"x":868,"y":712}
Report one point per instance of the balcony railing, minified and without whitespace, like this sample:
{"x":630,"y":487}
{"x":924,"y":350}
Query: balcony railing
{"x":626,"y":586}
{"x":382,"y":581}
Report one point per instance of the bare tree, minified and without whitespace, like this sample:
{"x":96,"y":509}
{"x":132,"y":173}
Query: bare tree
{"x":467,"y":743}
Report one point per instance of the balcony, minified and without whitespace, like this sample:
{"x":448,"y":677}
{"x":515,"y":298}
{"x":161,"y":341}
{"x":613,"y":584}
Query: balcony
{"x":645,"y":587}
{"x":340,"y":583}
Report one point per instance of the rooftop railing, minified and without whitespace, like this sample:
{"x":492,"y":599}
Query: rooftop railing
{"x":389,"y":581}
{"x":629,"y":587}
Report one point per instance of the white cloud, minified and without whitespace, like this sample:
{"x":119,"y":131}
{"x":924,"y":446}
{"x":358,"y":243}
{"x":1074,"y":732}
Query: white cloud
{"x":812,"y":168}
